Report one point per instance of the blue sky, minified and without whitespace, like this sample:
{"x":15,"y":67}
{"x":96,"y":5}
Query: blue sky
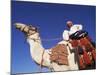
{"x":51,"y":20}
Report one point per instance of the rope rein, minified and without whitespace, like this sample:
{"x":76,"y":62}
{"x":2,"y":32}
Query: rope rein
{"x":51,"y":39}
{"x":42,"y":60}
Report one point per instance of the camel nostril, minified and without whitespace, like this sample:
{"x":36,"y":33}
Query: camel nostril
{"x":18,"y":27}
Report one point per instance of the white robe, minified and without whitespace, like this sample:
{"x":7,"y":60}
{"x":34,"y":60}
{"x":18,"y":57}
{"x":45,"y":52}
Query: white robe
{"x":73,"y":29}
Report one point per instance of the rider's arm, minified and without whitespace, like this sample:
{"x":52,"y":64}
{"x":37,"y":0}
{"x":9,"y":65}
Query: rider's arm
{"x":66,"y":35}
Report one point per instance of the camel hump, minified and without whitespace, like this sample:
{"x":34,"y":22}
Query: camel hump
{"x":59,"y":54}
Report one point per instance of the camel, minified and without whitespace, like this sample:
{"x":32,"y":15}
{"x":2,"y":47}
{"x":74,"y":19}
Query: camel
{"x":41,"y":55}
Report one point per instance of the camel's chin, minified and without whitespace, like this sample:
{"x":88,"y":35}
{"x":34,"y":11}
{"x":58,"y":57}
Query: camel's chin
{"x":18,"y":27}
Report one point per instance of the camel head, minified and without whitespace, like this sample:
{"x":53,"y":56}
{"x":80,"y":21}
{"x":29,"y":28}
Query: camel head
{"x":29,"y":30}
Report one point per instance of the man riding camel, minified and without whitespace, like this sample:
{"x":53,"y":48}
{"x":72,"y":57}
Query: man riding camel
{"x":73,"y":29}
{"x":67,"y":35}
{"x":81,"y":42}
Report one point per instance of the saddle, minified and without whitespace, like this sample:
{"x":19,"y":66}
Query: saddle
{"x":59,"y":54}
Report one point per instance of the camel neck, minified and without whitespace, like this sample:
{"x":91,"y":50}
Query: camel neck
{"x":36,"y":50}
{"x":35,"y":44}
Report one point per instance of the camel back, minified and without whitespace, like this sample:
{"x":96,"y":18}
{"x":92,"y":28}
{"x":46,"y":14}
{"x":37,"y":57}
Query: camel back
{"x":59,"y":54}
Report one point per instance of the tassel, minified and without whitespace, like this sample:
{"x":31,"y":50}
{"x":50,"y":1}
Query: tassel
{"x":94,"y":54}
{"x":81,"y":62}
{"x":86,"y":58}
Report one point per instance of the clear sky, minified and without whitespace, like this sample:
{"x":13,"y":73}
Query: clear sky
{"x":51,"y":20}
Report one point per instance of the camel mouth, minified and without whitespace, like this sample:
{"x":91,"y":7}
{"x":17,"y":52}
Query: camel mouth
{"x":28,"y":29}
{"x":19,"y":26}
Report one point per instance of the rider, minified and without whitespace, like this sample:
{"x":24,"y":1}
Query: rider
{"x":73,"y":28}
{"x":69,"y":34}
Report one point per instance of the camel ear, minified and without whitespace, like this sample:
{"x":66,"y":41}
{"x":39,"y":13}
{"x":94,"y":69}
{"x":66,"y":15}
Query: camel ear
{"x":36,"y":29}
